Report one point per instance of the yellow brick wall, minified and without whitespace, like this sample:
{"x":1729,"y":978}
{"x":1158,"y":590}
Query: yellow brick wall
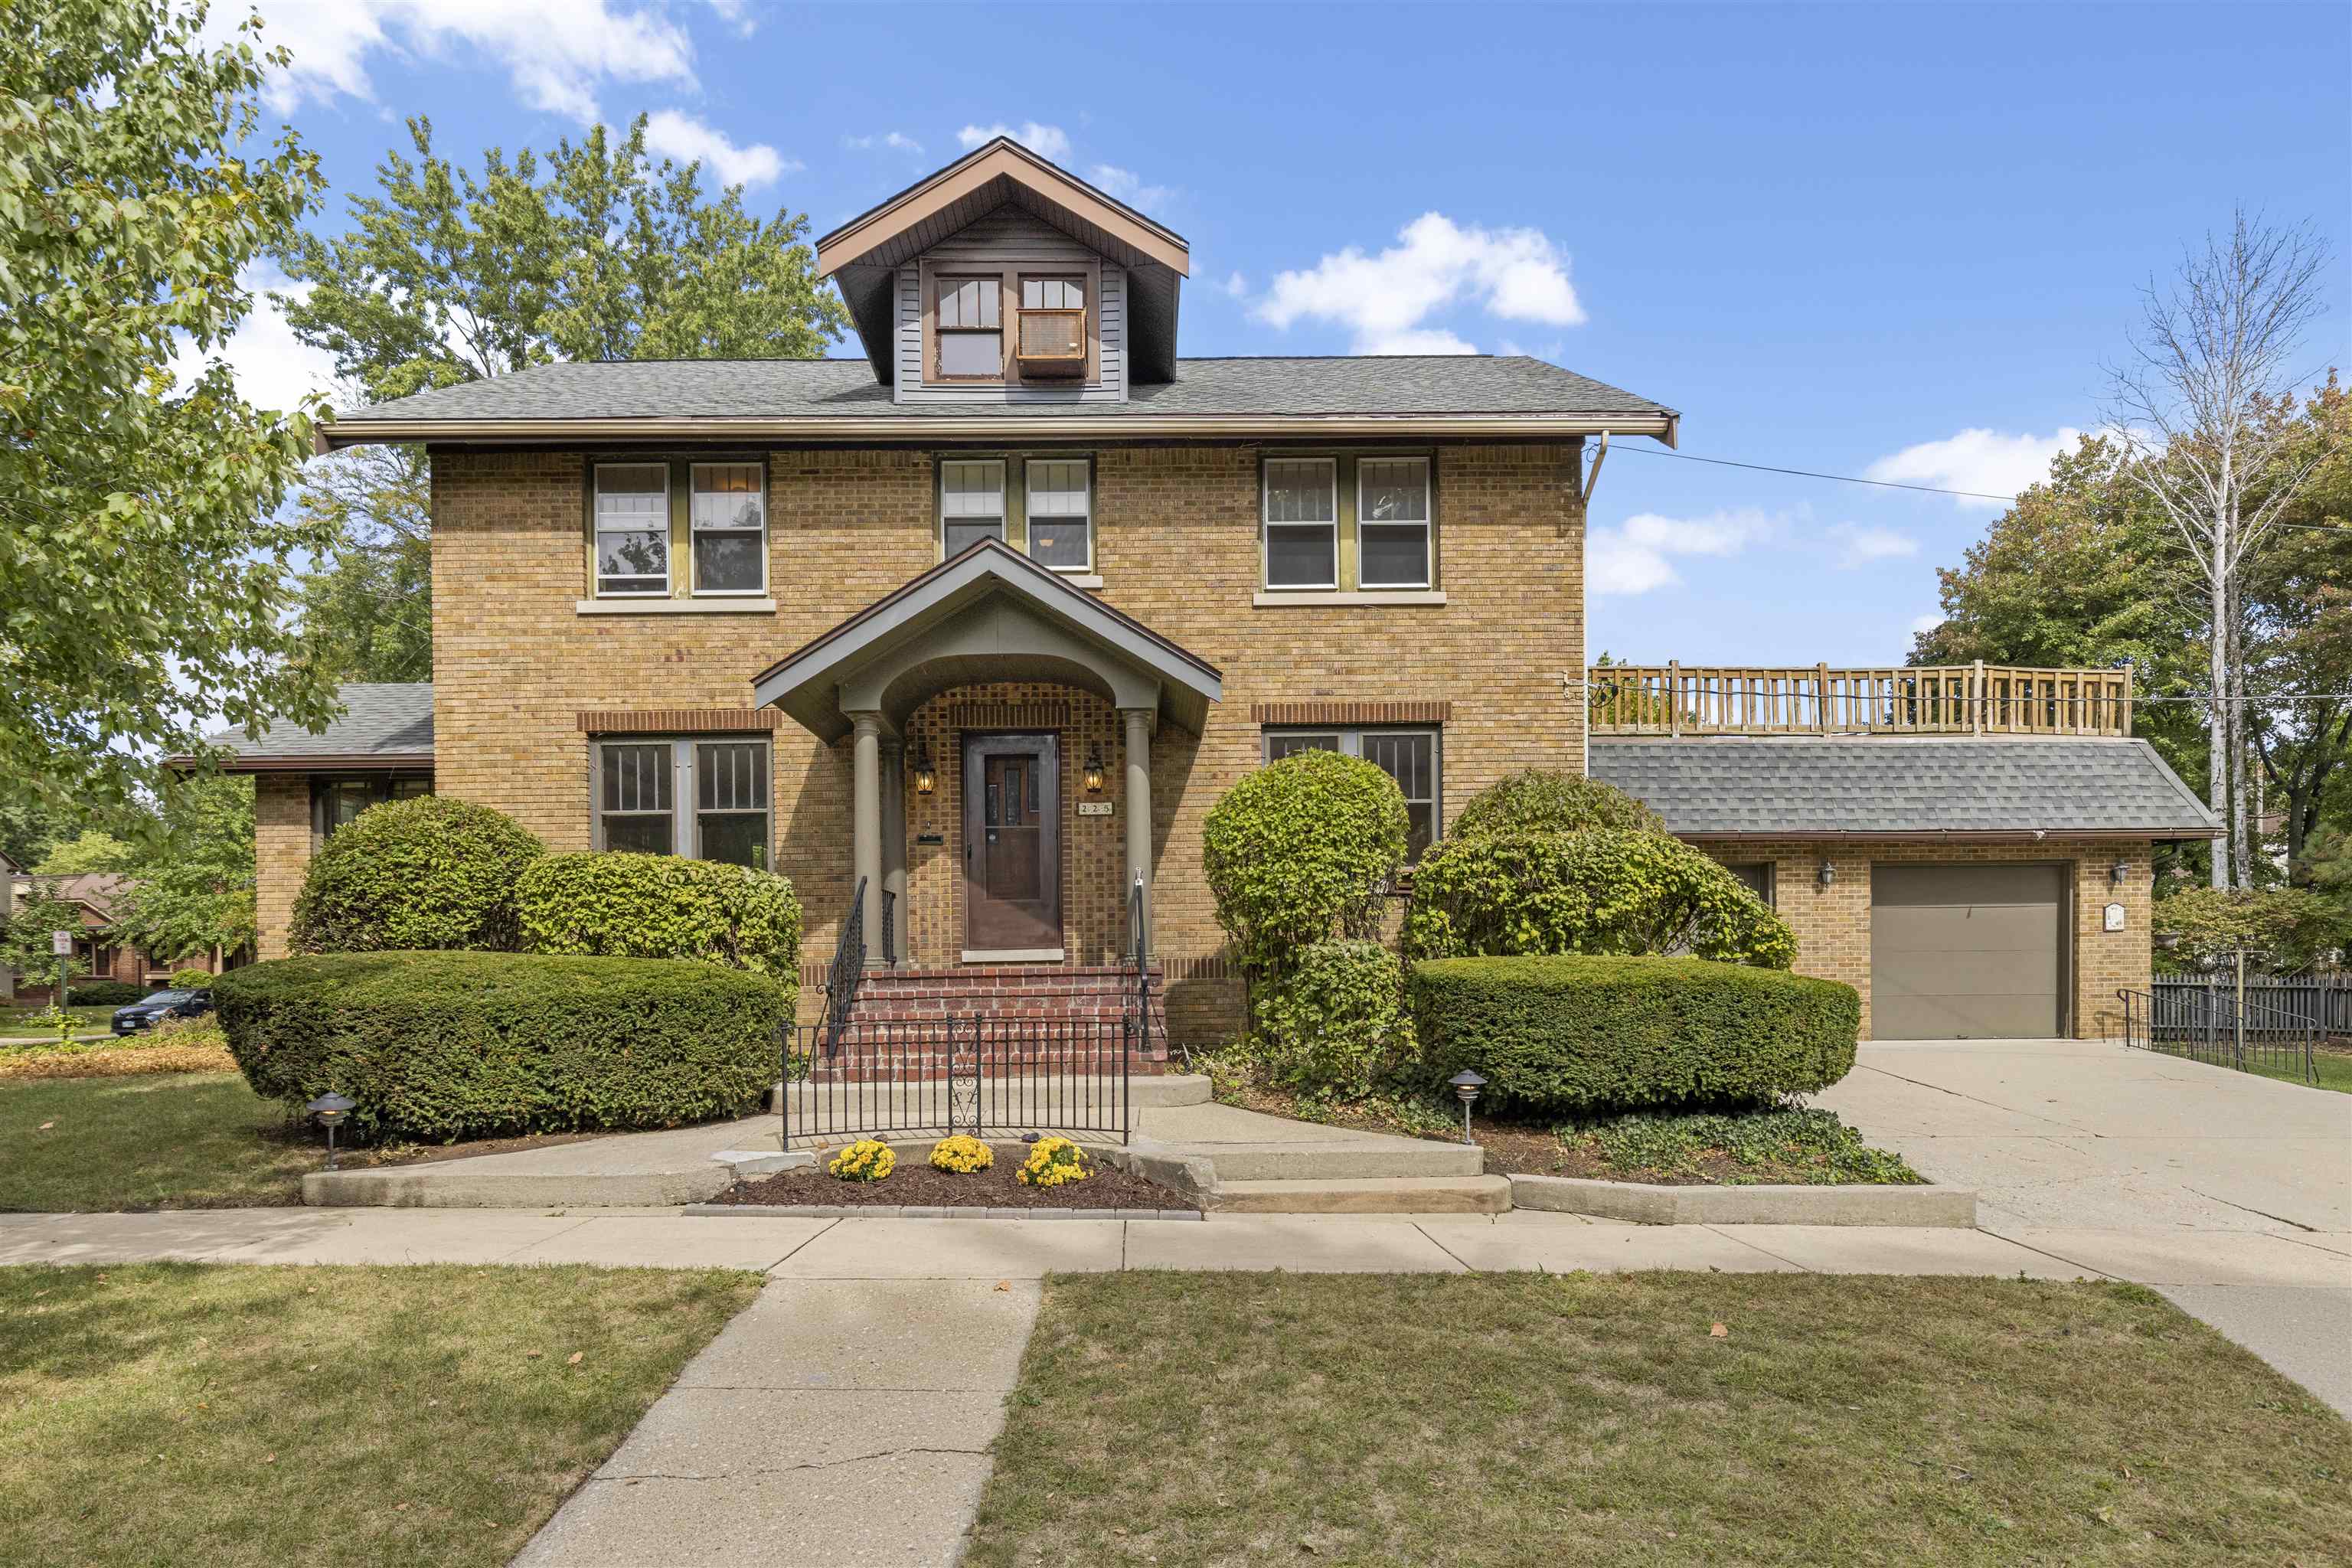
{"x":281,"y":847}
{"x":1832,"y":923}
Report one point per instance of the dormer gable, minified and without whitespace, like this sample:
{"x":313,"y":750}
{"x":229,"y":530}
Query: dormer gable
{"x":1003,"y":277}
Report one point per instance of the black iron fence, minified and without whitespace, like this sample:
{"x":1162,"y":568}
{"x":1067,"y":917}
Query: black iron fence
{"x":2212,"y":1024}
{"x":2324,"y":999}
{"x":979,"y":1075}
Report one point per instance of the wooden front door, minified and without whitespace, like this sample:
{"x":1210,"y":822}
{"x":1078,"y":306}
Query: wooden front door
{"x":1011,"y":843}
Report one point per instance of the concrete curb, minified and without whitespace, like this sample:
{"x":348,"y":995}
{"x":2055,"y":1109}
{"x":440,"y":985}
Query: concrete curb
{"x":923,"y":1211}
{"x":1643,"y":1203}
{"x":442,"y":1186}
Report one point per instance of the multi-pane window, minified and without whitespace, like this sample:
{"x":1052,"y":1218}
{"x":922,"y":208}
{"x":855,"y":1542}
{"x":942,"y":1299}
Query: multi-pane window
{"x":336,"y":802}
{"x":1051,"y":337}
{"x":632,"y":528}
{"x":1302,"y":526}
{"x":969,"y":327}
{"x":1061,"y":513}
{"x":1053,"y":294}
{"x":731,"y":529}
{"x":971,"y":504}
{"x":704,"y":799}
{"x":1392,"y":522}
{"x":1408,"y":756}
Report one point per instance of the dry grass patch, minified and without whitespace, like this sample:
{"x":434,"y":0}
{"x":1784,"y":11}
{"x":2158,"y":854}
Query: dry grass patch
{"x":1509,"y":1420}
{"x":240,"y":1416}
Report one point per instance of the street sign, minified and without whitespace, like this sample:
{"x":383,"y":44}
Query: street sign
{"x":61,"y":943}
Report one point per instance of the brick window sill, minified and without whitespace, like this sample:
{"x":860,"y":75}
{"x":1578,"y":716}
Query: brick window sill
{"x":674,"y":606}
{"x":1301,"y":598}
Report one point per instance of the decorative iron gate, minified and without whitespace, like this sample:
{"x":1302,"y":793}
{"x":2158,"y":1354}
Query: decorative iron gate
{"x":2210,"y":1023}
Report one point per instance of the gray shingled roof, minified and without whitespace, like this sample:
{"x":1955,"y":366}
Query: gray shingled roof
{"x":392,"y":720}
{"x":784,"y":388}
{"x":1877,"y":784}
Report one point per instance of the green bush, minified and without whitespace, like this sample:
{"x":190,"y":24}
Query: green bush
{"x":1542,"y":801}
{"x":2292,"y":928}
{"x":429,"y":874}
{"x":1577,"y":1034}
{"x":661,"y":906}
{"x":1302,"y":850}
{"x":1332,"y":1022}
{"x":102,"y":992}
{"x":442,"y":1045}
{"x":1603,"y":891}
{"x":191,"y":979}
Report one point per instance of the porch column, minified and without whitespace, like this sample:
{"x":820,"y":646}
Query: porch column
{"x":894,"y":840}
{"x":865,"y":824}
{"x":1137,"y":722}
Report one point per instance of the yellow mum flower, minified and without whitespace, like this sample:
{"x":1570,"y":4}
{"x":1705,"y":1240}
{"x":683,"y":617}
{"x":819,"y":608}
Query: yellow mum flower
{"x":1053,"y":1162}
{"x":868,"y":1160}
{"x":962,"y":1154}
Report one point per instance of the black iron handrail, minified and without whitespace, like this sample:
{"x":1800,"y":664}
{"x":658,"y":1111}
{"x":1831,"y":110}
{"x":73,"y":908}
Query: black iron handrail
{"x":849,"y":969}
{"x":2216,"y":1026}
{"x":1138,"y":941}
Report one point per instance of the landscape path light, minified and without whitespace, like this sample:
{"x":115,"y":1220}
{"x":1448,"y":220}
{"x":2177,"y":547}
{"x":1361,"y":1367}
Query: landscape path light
{"x":1466,"y":1084}
{"x":330,"y":1108}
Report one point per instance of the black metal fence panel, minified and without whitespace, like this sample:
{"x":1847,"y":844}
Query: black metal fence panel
{"x":2212,"y":1023}
{"x":987,"y":1077}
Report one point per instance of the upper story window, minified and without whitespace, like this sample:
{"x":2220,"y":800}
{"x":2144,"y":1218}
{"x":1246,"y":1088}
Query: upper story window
{"x":1302,"y":522}
{"x":1392,"y":522}
{"x":969,"y":330}
{"x":731,"y":529}
{"x":632,"y":529}
{"x":971,"y":504}
{"x":1061,"y":513}
{"x":706,"y":800}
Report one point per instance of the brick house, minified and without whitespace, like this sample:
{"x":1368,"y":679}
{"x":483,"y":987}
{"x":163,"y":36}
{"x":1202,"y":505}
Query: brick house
{"x":985,"y":622}
{"x":101,"y":952}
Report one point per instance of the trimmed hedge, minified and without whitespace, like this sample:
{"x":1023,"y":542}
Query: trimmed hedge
{"x":612,"y":905}
{"x":1575,"y":1035}
{"x":431,"y":873}
{"x":191,"y":979}
{"x":1601,"y":891}
{"x":1302,"y":850}
{"x":442,"y":1045}
{"x":102,"y":992}
{"x":1542,"y":801}
{"x":1333,"y":1021}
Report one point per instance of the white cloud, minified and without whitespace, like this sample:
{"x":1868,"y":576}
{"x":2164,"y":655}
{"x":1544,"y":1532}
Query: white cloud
{"x":1860,"y":546}
{"x":1048,"y":141}
{"x":688,"y":140}
{"x":1237,"y":286}
{"x":1639,"y":553}
{"x":557,"y":53}
{"x":889,"y":141}
{"x":1129,"y":188}
{"x":273,"y":368}
{"x":1516,"y":274}
{"x":1986,"y":461}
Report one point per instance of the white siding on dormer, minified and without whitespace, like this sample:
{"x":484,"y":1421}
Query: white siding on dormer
{"x":1009,"y":235}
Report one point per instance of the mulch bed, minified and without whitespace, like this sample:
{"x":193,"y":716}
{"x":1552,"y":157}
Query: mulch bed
{"x":916,"y":1185}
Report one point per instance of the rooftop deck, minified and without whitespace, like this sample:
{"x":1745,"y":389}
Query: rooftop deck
{"x":1678,"y":700}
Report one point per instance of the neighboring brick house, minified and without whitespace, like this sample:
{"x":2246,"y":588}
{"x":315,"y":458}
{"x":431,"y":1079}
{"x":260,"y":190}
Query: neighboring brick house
{"x":985,"y":622}
{"x":99,"y":950}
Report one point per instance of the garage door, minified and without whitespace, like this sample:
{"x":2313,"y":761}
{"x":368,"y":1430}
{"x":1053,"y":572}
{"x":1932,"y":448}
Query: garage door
{"x":1966,"y":952}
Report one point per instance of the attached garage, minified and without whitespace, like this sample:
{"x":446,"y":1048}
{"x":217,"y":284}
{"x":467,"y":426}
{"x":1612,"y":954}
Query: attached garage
{"x":1968,"y":952}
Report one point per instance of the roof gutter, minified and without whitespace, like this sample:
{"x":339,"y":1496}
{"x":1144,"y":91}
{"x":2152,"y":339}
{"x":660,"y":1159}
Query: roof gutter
{"x":339,"y":434}
{"x":318,"y":763}
{"x":1949,"y":835}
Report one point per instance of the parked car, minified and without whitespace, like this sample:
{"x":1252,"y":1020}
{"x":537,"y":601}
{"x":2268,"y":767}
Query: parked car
{"x":153,"y":1009}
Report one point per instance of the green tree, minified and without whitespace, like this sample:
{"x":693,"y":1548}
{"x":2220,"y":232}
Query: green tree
{"x":30,"y":825}
{"x":24,"y":934}
{"x":597,"y":252}
{"x":144,"y":563}
{"x":191,"y":887}
{"x":93,"y":850}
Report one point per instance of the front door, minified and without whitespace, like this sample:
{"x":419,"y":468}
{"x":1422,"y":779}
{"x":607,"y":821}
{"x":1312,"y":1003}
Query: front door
{"x":1012,"y":843}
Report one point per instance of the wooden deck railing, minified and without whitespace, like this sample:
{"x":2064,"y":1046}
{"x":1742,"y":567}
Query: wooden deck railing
{"x":1939,"y":700}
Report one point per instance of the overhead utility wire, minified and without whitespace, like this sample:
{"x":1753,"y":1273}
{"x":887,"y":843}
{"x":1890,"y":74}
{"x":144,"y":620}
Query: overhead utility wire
{"x":1885,"y":484}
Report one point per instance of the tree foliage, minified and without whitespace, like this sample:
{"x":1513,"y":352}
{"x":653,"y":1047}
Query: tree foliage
{"x":143,"y":566}
{"x":2287,"y":929}
{"x":93,"y":849}
{"x":191,"y":880}
{"x":25,"y":932}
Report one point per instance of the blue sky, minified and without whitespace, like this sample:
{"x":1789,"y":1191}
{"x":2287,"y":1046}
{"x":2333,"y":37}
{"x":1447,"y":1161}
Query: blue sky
{"x":1897,"y":240}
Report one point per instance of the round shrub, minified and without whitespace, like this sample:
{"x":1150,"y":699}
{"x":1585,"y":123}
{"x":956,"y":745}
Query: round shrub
{"x":1603,"y":892}
{"x":1301,"y":850}
{"x":1333,"y":1020}
{"x":429,"y":874}
{"x":1569,"y":1036}
{"x":1053,"y":1162}
{"x":191,"y":979}
{"x":442,"y":1045}
{"x":962,"y":1154}
{"x":1542,"y":800}
{"x":868,"y":1160}
{"x":102,"y":992}
{"x":661,"y":906}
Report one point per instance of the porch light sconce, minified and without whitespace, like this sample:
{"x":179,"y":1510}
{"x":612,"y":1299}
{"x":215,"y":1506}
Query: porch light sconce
{"x":927,"y":777}
{"x":330,"y":1108}
{"x":1466,"y":1084}
{"x":1827,"y":875}
{"x":1094,"y":770}
{"x":2119,"y":873}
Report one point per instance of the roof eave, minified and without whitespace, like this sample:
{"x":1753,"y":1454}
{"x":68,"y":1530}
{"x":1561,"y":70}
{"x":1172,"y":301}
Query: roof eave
{"x":315,"y":763}
{"x":1944,"y":835}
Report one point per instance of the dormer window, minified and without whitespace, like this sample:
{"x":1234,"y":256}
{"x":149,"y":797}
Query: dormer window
{"x":969,"y":332}
{"x":1052,"y":332}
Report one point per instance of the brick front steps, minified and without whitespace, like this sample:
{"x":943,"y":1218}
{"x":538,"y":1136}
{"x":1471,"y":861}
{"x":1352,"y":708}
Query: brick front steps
{"x":911,"y":1024}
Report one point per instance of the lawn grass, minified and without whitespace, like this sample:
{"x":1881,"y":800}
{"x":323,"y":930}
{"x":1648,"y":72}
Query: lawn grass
{"x":2335,"y":1066}
{"x":1526,"y":1421}
{"x":239,"y":1416}
{"x":171,"y":1142}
